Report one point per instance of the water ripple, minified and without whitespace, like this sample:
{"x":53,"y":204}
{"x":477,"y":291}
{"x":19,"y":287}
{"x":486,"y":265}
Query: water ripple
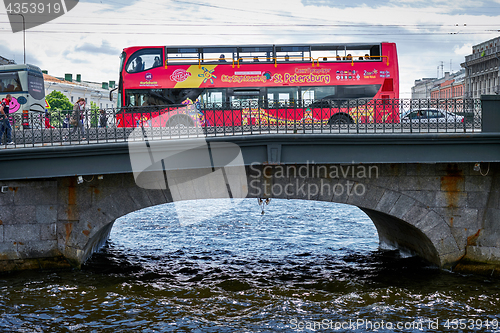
{"x":241,"y":271}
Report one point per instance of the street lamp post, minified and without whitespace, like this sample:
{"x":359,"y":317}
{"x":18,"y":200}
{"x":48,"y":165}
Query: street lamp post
{"x":24,"y":36}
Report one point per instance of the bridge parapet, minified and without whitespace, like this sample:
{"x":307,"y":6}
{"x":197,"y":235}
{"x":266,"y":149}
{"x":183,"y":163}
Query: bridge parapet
{"x":175,"y":122}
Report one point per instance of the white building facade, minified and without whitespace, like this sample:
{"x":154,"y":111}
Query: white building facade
{"x":422,"y":88}
{"x":99,"y":93}
{"x":482,"y":74}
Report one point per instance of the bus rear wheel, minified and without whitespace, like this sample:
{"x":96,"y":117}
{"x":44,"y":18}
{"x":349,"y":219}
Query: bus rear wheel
{"x":340,"y":119}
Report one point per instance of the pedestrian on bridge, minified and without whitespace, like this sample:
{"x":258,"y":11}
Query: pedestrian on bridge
{"x":4,"y":120}
{"x":76,"y":118}
{"x":103,"y":119}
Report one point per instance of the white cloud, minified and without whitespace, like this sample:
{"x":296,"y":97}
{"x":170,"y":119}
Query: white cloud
{"x":463,"y":50}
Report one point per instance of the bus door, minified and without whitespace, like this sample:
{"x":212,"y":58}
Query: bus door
{"x":247,"y":107}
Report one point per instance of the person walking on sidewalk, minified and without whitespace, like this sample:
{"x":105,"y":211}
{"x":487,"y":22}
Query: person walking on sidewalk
{"x":4,"y":120}
{"x":76,"y":118}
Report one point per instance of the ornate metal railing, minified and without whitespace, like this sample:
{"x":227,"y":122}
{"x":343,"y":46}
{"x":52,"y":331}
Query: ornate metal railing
{"x":246,"y":118}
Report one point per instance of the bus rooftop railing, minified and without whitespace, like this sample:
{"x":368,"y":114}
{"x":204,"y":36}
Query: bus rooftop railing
{"x":276,"y":60}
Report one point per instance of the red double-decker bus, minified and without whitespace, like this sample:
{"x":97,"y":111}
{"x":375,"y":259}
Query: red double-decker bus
{"x":258,"y":85}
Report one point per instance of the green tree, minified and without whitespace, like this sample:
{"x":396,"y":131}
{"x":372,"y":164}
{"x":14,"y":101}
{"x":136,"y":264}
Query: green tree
{"x":94,"y":114}
{"x":58,"y":102}
{"x":59,"y":107}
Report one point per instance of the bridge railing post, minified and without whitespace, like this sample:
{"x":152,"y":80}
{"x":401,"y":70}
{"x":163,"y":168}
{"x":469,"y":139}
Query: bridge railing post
{"x":490,"y":105}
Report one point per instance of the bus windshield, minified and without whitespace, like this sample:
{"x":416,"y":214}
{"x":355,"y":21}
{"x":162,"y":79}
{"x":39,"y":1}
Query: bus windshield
{"x":9,"y":82}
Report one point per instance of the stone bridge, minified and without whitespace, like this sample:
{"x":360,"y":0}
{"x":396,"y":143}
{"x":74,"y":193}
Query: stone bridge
{"x":430,"y":194}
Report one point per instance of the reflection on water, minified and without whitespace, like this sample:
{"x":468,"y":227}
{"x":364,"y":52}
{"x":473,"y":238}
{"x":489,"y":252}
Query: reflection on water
{"x":302,"y":266}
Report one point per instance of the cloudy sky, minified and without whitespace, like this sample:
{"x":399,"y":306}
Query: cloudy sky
{"x":432,"y":36}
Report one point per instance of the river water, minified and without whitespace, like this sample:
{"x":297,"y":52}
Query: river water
{"x":217,"y":266}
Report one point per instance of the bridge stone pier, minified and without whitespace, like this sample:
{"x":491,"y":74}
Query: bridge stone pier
{"x":432,"y":195}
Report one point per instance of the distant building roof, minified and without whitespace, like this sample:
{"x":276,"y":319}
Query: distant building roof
{"x":50,"y":78}
{"x":5,"y":61}
{"x":86,"y":85}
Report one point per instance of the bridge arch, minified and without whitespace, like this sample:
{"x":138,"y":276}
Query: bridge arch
{"x":402,"y":218}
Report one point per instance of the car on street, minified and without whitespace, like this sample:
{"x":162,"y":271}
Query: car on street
{"x":431,"y":116}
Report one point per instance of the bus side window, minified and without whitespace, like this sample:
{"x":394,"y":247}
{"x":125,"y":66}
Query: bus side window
{"x":213,"y":98}
{"x":144,"y":60}
{"x":157,"y":62}
{"x":132,"y":66}
{"x":282,"y":96}
{"x":130,"y":100}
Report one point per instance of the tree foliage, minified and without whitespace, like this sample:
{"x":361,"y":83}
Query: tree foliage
{"x":58,"y":101}
{"x":59,"y":107}
{"x":94,"y":114}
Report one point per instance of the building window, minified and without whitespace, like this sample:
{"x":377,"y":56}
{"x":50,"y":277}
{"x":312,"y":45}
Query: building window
{"x":71,"y":99}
